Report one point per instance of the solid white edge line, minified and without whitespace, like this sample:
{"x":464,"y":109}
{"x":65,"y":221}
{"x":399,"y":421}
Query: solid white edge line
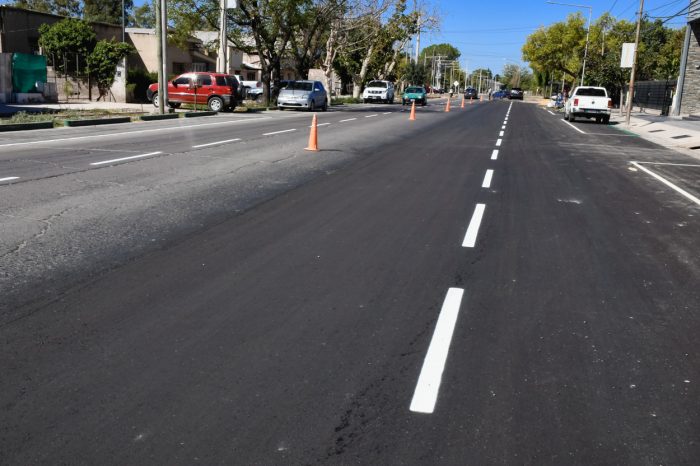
{"x":9,"y":178}
{"x":668,"y":183}
{"x":349,"y":119}
{"x":474,"y":224}
{"x":215,"y":143}
{"x":501,"y":134}
{"x":498,"y":143}
{"x":671,"y":164}
{"x":487,"y":179}
{"x":169,"y":128}
{"x":573,"y":126}
{"x":494,"y":154}
{"x":550,"y":112}
{"x":428,"y":385}
{"x":279,"y":132}
{"x":126,"y":158}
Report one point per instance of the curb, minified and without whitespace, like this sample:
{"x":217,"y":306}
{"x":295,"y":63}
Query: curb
{"x":167,"y":116}
{"x":97,"y":121}
{"x":27,"y":126}
{"x":199,"y":114}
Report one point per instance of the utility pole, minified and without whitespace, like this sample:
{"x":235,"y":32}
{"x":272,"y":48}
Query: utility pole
{"x":634,"y":62}
{"x":223,"y":38}
{"x":159,"y":47}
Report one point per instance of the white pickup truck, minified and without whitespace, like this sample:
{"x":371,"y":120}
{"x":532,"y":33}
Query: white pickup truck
{"x":588,"y":102}
{"x":250,"y":89}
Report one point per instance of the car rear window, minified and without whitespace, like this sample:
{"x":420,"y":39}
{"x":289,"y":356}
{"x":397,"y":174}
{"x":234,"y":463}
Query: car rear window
{"x":590,"y":91}
{"x":380,"y":84}
{"x":414,"y":89}
{"x":299,"y":86}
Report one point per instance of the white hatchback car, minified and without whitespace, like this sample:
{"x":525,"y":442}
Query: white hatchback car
{"x":379,"y":91}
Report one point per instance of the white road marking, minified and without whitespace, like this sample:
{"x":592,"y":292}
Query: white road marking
{"x":320,"y":124}
{"x":487,"y":179}
{"x":386,"y":113}
{"x":494,"y":154}
{"x":349,"y":119}
{"x":215,"y":143}
{"x":279,"y":132}
{"x":9,"y":178}
{"x":126,"y":158}
{"x":370,"y":116}
{"x":550,"y":112}
{"x":573,"y":126}
{"x":503,"y":127}
{"x":474,"y":224}
{"x":672,"y":164}
{"x":428,"y":386}
{"x":169,"y":128}
{"x":501,"y":134}
{"x":498,"y":143}
{"x":668,"y":183}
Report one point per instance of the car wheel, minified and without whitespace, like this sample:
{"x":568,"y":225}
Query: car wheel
{"x":325,"y":106}
{"x":156,"y":100}
{"x":572,"y":118}
{"x":423,"y":103}
{"x":566,"y":115}
{"x":215,"y":104}
{"x":312,"y":106}
{"x":606,"y":119}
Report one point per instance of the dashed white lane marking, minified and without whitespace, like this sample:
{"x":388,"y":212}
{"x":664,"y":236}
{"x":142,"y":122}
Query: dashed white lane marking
{"x":503,"y":127}
{"x":671,"y":164}
{"x":169,"y":128}
{"x":104,"y":162}
{"x":349,"y":119}
{"x":279,"y":132}
{"x":487,"y":179}
{"x":320,"y":124}
{"x":498,"y":142}
{"x":550,"y":112}
{"x":494,"y":154}
{"x":386,"y":113}
{"x":215,"y":143}
{"x":667,"y":183}
{"x":474,"y":224}
{"x":573,"y":126}
{"x":9,"y":178}
{"x":371,"y":116}
{"x":428,"y":386}
{"x":501,"y":134}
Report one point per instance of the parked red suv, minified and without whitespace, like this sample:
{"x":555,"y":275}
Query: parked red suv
{"x":218,"y":91}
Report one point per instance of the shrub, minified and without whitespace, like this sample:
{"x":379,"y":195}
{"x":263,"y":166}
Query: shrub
{"x":141,"y":79}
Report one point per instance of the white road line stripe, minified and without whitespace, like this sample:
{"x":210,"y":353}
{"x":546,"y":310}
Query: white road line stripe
{"x":487,"y":179}
{"x":215,"y":143}
{"x":370,"y":116}
{"x":668,"y":183}
{"x":494,"y":154}
{"x":672,"y":164}
{"x":474,"y":224}
{"x":498,"y":143}
{"x":501,"y":134}
{"x":320,"y":124}
{"x":386,"y":113}
{"x":126,"y":158}
{"x":279,"y":132}
{"x":428,"y":386}
{"x":573,"y":126}
{"x":550,"y":112}
{"x":349,"y":119}
{"x":169,"y":128}
{"x":9,"y":178}
{"x":503,"y":127}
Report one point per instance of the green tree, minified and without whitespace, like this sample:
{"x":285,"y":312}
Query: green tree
{"x":102,"y":63}
{"x":105,"y":11}
{"x":144,"y":16}
{"x":69,"y":8}
{"x":67,"y":44}
{"x":415,"y":73}
{"x":558,"y":47}
{"x":446,"y":51}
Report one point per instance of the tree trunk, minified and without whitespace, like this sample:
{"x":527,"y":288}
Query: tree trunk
{"x":358,"y":79}
{"x":331,"y":52}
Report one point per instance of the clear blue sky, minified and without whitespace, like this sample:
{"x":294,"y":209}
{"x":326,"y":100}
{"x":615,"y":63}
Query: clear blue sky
{"x":490,"y":34}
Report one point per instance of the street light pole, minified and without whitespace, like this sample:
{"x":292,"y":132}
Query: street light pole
{"x":588,"y":32}
{"x":630,"y":95}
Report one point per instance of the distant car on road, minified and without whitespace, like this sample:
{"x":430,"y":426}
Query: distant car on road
{"x":500,"y":94}
{"x":471,"y":93}
{"x":305,"y":95}
{"x":380,"y":91}
{"x":217,"y":91}
{"x":516,"y":94}
{"x":415,"y":94}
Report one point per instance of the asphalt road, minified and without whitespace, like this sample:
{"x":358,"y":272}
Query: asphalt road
{"x":486,"y":286}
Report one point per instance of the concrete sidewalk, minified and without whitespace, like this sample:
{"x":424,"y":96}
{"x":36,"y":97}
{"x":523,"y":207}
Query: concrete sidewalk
{"x":7,"y":110}
{"x":672,"y":132}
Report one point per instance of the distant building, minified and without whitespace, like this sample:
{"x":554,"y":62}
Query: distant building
{"x":193,"y":58}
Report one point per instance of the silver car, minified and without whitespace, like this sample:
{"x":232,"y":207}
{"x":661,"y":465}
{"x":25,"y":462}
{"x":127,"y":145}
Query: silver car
{"x":306,"y":95}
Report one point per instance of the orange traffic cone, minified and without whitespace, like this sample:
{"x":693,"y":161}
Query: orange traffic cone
{"x":447,"y":106}
{"x":462,"y":100}
{"x":313,"y":136}
{"x":413,"y":111}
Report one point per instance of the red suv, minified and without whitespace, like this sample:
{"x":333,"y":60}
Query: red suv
{"x":218,"y":91}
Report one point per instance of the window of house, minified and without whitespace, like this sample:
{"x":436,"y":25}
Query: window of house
{"x":198,"y":66}
{"x":251,"y":76}
{"x":179,"y":68}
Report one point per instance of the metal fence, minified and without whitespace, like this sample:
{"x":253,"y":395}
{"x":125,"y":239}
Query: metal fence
{"x":656,"y":95}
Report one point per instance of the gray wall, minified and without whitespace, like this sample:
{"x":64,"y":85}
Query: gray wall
{"x":5,"y":77}
{"x":691,"y":88}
